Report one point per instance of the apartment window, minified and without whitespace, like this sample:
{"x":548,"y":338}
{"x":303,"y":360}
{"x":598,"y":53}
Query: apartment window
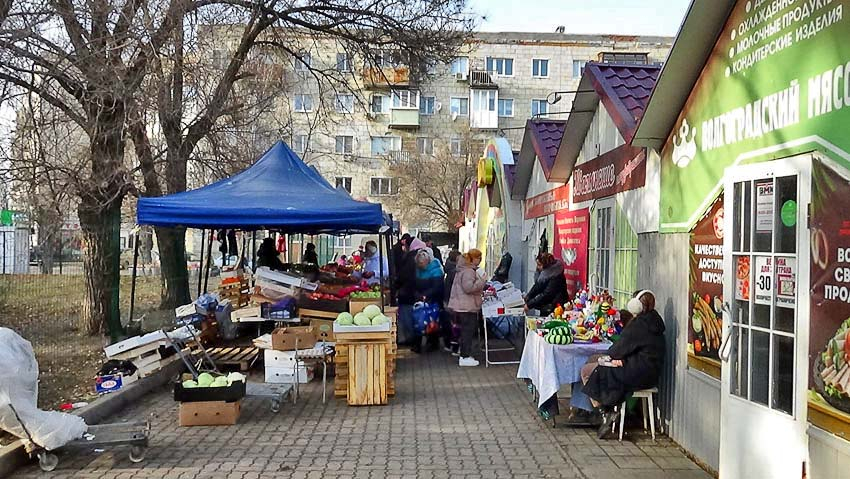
{"x":344,"y":103}
{"x":344,"y":182}
{"x":539,"y":107}
{"x":300,"y":143}
{"x":303,"y":102}
{"x":303,"y":63}
{"x":406,"y":99}
{"x":426,"y":105}
{"x":500,"y":66}
{"x":383,"y":186}
{"x":539,"y":68}
{"x":344,"y":144}
{"x":483,"y":100}
{"x":460,"y":65}
{"x":382,"y":145}
{"x":627,"y":58}
{"x":459,"y":106}
{"x":456,"y":146}
{"x":578,"y":68}
{"x":342,"y":242}
{"x":389,"y":58}
{"x":343,"y":62}
{"x":425,"y":146}
{"x":220,"y":59}
{"x":380,"y":104}
{"x":506,"y":107}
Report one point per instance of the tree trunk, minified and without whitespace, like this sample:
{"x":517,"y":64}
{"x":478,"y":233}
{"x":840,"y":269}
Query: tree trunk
{"x":100,"y":225}
{"x":172,"y":256}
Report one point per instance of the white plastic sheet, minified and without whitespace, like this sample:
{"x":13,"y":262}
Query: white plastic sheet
{"x":19,"y":388}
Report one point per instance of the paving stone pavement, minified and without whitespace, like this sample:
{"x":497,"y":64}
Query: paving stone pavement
{"x":444,"y":422}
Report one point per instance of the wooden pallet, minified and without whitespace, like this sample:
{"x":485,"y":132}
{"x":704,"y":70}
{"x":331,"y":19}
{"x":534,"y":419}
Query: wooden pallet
{"x":237,"y":293}
{"x":234,"y":357}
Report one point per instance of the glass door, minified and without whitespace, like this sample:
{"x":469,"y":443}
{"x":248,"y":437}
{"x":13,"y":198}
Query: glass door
{"x":765,"y":340}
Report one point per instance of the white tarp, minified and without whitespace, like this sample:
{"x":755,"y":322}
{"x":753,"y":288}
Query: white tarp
{"x":19,"y":387}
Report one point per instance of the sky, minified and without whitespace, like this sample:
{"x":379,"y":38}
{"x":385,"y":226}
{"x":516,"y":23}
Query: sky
{"x":636,"y":17}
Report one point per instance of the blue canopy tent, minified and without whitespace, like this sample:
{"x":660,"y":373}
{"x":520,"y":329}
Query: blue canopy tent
{"x":279,"y":192}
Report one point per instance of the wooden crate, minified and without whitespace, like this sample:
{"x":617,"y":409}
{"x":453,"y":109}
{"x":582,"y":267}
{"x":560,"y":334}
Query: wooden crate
{"x":367,"y":374}
{"x":237,"y":293}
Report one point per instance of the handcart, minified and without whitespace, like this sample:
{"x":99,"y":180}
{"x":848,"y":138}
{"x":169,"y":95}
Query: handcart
{"x":136,"y":435}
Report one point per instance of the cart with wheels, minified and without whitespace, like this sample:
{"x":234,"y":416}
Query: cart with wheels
{"x":136,"y":435}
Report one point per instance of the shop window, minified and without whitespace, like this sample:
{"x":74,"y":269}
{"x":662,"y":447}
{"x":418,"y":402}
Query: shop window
{"x":539,"y":68}
{"x":539,"y":107}
{"x":613,"y":252}
{"x":344,"y":182}
{"x":383,"y":186}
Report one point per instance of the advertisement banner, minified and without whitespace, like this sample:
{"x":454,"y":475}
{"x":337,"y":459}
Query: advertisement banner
{"x":572,"y":230}
{"x":829,"y":331}
{"x":706,"y":283}
{"x":547,"y":203}
{"x":621,"y":169}
{"x":777,"y":83}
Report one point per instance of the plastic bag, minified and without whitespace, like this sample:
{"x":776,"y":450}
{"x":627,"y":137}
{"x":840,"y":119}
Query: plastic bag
{"x":19,"y":388}
{"x":426,"y":318}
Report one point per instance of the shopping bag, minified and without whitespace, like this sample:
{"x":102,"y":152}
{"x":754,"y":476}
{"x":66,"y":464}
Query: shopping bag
{"x":426,"y":318}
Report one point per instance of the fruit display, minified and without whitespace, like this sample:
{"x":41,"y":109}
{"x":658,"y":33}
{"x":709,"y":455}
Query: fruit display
{"x":372,"y":294}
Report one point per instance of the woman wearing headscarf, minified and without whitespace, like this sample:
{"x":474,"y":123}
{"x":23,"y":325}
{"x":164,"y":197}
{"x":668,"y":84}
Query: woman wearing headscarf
{"x":635,"y":360}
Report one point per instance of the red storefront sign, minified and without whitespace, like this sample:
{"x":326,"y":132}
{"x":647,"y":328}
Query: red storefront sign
{"x":548,"y":203}
{"x":621,"y":169}
{"x":572,"y":230}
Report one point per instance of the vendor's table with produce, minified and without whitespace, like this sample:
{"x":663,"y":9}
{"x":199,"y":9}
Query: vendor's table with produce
{"x":549,"y":366}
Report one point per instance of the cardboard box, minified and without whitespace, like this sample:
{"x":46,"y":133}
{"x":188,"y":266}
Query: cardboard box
{"x":210,"y":413}
{"x":288,"y":375}
{"x":113,"y":382}
{"x":324,"y":329}
{"x":231,"y":393}
{"x":357,"y":305}
{"x":286,"y":339}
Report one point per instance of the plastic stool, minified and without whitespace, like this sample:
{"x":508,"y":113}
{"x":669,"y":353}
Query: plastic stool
{"x":646,"y":395}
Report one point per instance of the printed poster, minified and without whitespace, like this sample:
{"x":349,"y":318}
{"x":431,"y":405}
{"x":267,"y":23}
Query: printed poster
{"x":706,"y":283}
{"x":829,"y":331}
{"x":572,"y":230}
{"x":763,"y":280}
{"x":764,"y":207}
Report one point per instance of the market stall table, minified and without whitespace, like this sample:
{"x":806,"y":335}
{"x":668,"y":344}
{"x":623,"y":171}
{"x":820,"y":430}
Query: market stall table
{"x":509,"y":325}
{"x":549,"y":366}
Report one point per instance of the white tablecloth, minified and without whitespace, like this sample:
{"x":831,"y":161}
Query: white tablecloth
{"x":548,"y":366}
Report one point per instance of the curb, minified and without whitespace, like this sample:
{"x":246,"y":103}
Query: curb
{"x":13,"y":456}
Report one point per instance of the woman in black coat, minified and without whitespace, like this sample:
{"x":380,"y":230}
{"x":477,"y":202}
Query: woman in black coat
{"x":636,"y":360}
{"x":550,"y":287}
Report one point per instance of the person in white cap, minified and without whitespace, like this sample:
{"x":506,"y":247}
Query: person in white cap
{"x":634,"y":361}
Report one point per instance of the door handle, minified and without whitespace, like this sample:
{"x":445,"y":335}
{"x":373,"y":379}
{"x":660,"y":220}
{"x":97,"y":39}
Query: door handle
{"x":725,"y":344}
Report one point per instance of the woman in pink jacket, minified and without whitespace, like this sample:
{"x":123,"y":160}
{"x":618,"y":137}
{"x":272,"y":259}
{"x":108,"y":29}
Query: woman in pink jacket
{"x":465,"y":302}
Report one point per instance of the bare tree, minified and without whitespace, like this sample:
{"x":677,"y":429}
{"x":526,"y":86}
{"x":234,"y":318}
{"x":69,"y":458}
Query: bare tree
{"x":431,"y":186}
{"x":225,"y":107}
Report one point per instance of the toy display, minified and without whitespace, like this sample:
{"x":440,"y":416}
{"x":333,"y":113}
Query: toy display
{"x":588,"y":319}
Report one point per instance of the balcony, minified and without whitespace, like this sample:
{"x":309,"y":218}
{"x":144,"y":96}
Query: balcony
{"x":404,"y":118}
{"x":481,"y":79}
{"x":386,"y":77}
{"x":483,"y":114}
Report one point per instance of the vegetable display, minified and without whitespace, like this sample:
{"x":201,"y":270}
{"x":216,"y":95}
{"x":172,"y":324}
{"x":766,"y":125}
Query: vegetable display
{"x":370,"y":316}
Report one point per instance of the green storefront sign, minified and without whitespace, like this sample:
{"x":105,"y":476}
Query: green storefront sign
{"x":777,"y":83}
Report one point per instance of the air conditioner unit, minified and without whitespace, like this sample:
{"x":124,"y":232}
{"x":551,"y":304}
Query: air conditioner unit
{"x":460,"y":76}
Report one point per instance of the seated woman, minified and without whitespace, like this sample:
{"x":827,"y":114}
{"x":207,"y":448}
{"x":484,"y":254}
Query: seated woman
{"x":635,"y":361}
{"x":550,"y":286}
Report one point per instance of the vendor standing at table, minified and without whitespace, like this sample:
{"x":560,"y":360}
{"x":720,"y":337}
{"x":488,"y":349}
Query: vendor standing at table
{"x":310,"y":256}
{"x":635,"y":361}
{"x":550,"y":286}
{"x":268,"y":256}
{"x":372,"y":264}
